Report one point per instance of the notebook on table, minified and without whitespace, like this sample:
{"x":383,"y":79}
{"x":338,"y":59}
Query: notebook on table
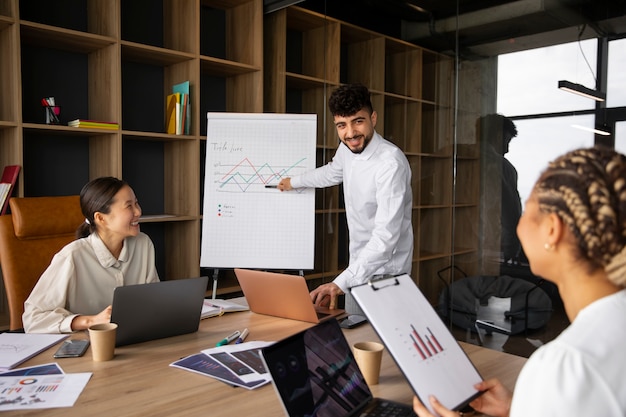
{"x":156,"y":310}
{"x":282,"y":295}
{"x":315,"y":374}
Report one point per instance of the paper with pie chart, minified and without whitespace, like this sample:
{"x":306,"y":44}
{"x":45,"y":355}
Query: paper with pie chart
{"x":430,"y":358}
{"x":247,"y":222}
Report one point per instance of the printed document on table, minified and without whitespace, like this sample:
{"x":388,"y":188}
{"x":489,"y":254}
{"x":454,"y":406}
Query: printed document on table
{"x":46,"y":369}
{"x":41,"y":391}
{"x":237,"y":364}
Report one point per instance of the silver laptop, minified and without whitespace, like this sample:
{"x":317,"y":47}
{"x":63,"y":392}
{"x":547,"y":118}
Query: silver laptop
{"x":314,"y":374}
{"x":160,"y":309}
{"x":282,"y":295}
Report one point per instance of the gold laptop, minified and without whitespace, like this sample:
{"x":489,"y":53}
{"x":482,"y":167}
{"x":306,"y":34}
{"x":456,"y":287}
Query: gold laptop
{"x":282,"y":295}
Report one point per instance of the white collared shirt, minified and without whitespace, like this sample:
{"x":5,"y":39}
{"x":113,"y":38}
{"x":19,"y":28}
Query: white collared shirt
{"x":581,"y":372}
{"x":81,"y":278}
{"x":378,"y":200}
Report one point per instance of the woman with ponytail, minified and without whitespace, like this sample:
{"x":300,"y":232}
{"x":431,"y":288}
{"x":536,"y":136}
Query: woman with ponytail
{"x":573,"y":231}
{"x":76,"y":290}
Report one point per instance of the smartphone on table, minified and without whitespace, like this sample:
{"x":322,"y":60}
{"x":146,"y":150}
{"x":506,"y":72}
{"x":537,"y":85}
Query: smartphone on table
{"x":72,"y":348}
{"x":352,"y":321}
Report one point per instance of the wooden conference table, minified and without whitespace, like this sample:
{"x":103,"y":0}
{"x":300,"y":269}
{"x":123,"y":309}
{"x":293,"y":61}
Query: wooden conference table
{"x":140,"y":382}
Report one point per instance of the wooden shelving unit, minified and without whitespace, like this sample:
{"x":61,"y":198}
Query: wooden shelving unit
{"x":306,"y":56}
{"x":117,"y":60}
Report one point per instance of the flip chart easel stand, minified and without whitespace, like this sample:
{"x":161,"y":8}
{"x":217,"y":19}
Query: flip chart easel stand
{"x":216,"y":272}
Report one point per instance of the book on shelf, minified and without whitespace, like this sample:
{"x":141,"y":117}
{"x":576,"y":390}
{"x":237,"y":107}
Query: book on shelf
{"x":170,"y":125}
{"x":177,"y":121}
{"x":178,"y":110}
{"x":5,"y":187}
{"x":7,"y":183}
{"x":93,"y":124}
{"x":184,"y":101}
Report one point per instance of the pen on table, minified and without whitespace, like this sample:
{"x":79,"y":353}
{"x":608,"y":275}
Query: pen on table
{"x":207,"y":303}
{"x":229,"y":338}
{"x":243,"y":336}
{"x":271,"y":186}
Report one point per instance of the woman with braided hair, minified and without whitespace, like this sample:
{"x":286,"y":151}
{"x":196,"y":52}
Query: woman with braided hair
{"x":573,"y":231}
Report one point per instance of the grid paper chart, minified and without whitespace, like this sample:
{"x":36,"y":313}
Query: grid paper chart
{"x":245,"y":224}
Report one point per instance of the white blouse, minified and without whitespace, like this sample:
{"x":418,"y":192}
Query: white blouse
{"x":81,"y":278}
{"x":581,"y":372}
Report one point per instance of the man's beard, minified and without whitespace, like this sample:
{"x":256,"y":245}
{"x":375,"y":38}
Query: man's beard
{"x":366,"y":142}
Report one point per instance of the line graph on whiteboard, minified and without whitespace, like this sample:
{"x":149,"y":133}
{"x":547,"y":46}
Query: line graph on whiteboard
{"x":246,"y":176}
{"x":245,"y":224}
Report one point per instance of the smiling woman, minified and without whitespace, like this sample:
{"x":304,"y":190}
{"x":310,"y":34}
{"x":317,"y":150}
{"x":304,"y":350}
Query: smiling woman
{"x":76,"y":290}
{"x":110,"y":208}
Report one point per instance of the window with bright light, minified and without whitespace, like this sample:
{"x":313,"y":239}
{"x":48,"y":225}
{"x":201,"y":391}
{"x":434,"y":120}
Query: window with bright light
{"x":539,"y":141}
{"x":528,"y":80}
{"x":616,"y":79}
{"x":620,"y":137}
{"x":527,"y":85}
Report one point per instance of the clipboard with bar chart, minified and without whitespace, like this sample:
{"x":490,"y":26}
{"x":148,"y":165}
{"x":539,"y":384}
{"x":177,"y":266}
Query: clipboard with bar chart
{"x":422,"y":346}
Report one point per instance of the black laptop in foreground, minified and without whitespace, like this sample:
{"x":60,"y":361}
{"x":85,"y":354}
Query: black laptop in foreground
{"x":315,"y":374}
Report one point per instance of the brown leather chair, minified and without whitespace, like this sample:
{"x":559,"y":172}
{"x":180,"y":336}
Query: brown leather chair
{"x":36,"y":229}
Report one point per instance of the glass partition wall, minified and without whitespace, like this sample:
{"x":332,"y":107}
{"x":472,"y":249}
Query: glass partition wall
{"x":521,"y":86}
{"x":477,"y":130}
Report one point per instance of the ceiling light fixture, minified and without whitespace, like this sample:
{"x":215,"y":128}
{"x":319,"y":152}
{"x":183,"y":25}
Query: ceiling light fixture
{"x":581,"y":90}
{"x":592,"y":130}
{"x":418,"y":8}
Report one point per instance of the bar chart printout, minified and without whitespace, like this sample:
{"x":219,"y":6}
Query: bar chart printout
{"x":426,"y":344}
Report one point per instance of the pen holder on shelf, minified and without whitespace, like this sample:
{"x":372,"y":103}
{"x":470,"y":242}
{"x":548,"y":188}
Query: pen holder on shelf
{"x":53,"y":114}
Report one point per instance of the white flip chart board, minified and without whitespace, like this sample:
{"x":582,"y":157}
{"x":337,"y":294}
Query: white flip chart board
{"x":245,"y":224}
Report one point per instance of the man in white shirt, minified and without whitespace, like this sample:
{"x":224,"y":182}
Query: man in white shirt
{"x":376,"y":179}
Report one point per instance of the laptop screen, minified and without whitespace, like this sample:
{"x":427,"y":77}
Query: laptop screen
{"x":315,"y":373}
{"x":281,"y":295}
{"x":156,"y":310}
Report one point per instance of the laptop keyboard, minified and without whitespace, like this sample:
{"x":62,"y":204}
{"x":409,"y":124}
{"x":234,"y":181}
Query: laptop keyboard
{"x":389,"y":409}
